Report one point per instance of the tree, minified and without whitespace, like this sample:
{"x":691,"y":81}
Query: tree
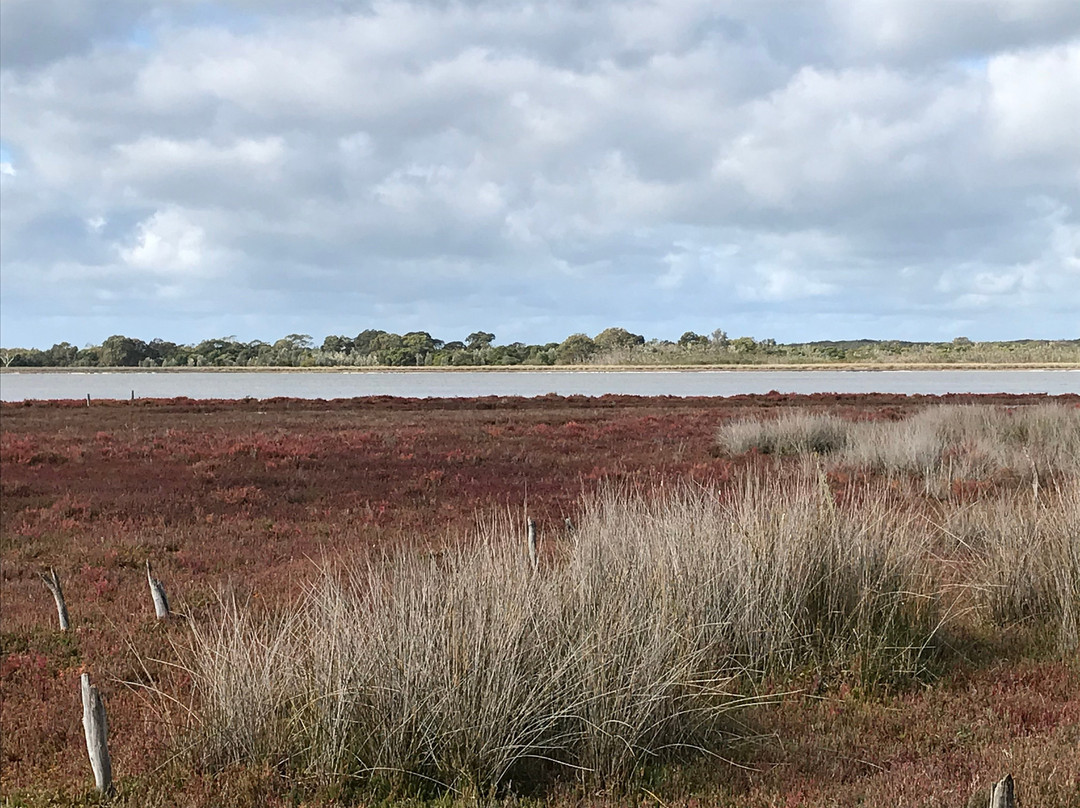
{"x":720,"y":338}
{"x":167,"y":353}
{"x":386,"y":341}
{"x":421,"y":344}
{"x":389,"y":349}
{"x":121,"y":352}
{"x":23,"y":358}
{"x":420,"y":341}
{"x":363,"y":342}
{"x":744,"y":345}
{"x":88,"y":357}
{"x":692,"y":340}
{"x":296,"y":342}
{"x":575,"y":348}
{"x":60,"y":355}
{"x":334,"y":344}
{"x":479,"y":340}
{"x":611,"y":338}
{"x":291,"y":350}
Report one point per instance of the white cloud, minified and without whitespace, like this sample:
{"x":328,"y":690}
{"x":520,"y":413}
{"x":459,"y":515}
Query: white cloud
{"x":1035,"y":104}
{"x":167,"y":243}
{"x":780,"y":283}
{"x":800,"y":166}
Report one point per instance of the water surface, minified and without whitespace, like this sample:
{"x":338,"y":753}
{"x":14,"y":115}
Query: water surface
{"x":16,"y":386}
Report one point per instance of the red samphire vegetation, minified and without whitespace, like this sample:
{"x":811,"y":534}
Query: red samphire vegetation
{"x":252,"y":496}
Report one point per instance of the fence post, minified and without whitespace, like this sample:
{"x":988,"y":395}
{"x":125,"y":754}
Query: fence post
{"x":52,"y":581}
{"x":96,"y":728}
{"x":1003,"y":794}
{"x":534,"y":556}
{"x":157,"y":592}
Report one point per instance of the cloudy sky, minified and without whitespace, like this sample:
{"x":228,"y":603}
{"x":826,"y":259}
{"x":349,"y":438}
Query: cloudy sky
{"x":823,"y":169}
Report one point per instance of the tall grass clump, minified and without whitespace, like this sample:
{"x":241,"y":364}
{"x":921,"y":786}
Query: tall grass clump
{"x":778,"y":577}
{"x":1025,"y":553}
{"x":411,"y":671}
{"x":972,"y":442}
{"x":245,"y":668}
{"x":635,"y":642}
{"x":955,"y":442}
{"x":794,"y":433}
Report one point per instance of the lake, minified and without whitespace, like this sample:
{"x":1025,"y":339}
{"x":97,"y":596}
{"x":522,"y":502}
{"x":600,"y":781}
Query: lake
{"x":22,"y":386}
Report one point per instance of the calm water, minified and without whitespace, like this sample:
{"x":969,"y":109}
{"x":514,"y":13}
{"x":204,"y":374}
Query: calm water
{"x":15,"y":386}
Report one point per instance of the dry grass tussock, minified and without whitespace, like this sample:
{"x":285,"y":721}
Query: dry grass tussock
{"x":1025,"y":551}
{"x":962,"y":442}
{"x":637,"y":641}
{"x":1018,"y":538}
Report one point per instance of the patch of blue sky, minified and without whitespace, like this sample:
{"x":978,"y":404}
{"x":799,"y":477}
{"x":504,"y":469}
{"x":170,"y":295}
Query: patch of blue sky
{"x":144,"y":34}
{"x":6,"y":153}
{"x":216,"y":15}
{"x":975,"y":64}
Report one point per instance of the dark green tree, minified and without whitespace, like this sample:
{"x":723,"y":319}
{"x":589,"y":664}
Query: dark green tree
{"x":611,"y":338}
{"x":334,"y":344}
{"x":575,"y":348}
{"x":479,"y":340}
{"x":168,"y":353}
{"x":121,"y":352}
{"x":364,"y":342}
{"x":692,"y":340}
{"x":61,"y":355}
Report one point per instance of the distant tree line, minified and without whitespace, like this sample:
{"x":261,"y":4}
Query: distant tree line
{"x":615,"y":346}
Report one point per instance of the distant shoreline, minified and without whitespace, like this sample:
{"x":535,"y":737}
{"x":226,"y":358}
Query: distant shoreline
{"x":835,"y":366}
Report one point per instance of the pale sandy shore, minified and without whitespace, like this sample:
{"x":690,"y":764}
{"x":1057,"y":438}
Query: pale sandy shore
{"x":834,"y":366}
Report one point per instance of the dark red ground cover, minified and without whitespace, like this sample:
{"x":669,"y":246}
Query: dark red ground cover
{"x":255,"y":494}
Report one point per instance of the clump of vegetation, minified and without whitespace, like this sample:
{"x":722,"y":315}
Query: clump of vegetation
{"x":636,"y":643}
{"x":962,"y":442}
{"x":796,"y":433}
{"x":1022,"y":542}
{"x":1025,"y":551}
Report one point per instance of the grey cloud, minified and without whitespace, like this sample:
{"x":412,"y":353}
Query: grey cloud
{"x":36,"y":32}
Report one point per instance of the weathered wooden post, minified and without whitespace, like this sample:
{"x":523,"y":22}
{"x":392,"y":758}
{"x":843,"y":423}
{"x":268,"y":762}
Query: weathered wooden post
{"x":534,"y":556}
{"x":157,"y":592}
{"x":1003,"y":794}
{"x":52,"y":582}
{"x":569,"y":526}
{"x":96,"y":728}
{"x":87,"y":399}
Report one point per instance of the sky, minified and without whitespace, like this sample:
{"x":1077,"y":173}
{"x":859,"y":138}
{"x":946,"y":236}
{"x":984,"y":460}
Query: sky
{"x":786,"y":169}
